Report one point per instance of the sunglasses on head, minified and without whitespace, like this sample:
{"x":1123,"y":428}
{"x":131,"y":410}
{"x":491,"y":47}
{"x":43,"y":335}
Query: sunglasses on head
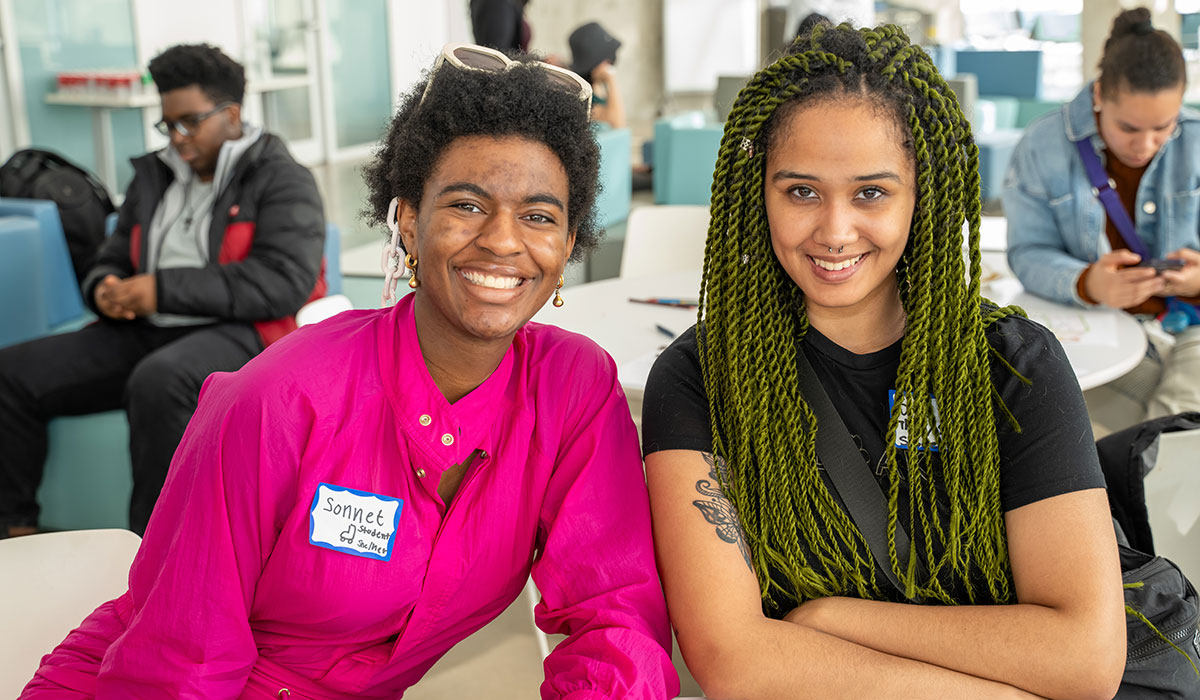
{"x":481,"y":58}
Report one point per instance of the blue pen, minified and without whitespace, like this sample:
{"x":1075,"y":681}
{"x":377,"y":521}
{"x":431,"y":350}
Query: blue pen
{"x":681,"y":303}
{"x":665,"y":331}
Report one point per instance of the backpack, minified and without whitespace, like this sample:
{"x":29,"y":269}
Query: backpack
{"x":1162,"y":608}
{"x":82,"y":201}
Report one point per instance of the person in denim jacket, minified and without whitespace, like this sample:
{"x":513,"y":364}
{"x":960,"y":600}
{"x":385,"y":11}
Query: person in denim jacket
{"x":1060,"y":243}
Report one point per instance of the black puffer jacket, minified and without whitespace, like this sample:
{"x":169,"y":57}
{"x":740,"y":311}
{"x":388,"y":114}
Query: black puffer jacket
{"x":265,"y":243}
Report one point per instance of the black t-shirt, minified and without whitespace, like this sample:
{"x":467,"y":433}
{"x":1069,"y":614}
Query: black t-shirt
{"x":1053,"y":453}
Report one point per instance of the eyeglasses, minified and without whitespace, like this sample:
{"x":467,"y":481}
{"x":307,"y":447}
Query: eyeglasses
{"x":481,"y":58}
{"x":187,"y":124}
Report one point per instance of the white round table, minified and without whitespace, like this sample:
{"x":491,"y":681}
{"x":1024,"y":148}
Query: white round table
{"x":1101,"y":344}
{"x":629,"y":331}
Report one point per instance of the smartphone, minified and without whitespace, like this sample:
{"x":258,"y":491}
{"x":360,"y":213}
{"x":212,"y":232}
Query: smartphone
{"x":1162,"y":264}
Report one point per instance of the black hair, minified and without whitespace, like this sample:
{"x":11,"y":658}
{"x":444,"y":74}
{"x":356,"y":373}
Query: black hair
{"x":859,"y":78}
{"x":218,"y":76}
{"x":1140,"y":57}
{"x":799,"y":541}
{"x":812,"y":19}
{"x":521,"y":101}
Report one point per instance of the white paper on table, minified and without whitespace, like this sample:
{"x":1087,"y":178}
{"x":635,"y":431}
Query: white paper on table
{"x":1176,"y":477}
{"x":1077,"y":327}
{"x":633,"y":374}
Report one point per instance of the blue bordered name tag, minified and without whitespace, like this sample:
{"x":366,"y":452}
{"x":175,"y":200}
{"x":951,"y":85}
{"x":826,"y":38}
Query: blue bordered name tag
{"x":354,"y":522}
{"x":902,"y":429}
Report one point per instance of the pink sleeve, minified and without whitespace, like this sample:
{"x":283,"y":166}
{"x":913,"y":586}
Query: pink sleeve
{"x":194,"y":578}
{"x":596,"y":568}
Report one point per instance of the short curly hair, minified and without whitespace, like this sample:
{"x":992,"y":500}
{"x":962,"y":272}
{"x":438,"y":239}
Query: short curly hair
{"x":521,"y":101}
{"x":218,"y":76}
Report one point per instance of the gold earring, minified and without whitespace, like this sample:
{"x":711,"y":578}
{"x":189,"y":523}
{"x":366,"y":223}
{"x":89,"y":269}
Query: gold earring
{"x":411,"y":263}
{"x":558,"y":300}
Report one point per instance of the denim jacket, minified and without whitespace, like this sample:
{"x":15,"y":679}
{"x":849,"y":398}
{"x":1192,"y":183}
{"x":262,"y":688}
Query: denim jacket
{"x":1056,"y":224}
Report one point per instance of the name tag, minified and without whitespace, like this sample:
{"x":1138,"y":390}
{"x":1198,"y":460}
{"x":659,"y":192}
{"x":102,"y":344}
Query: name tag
{"x":931,"y":432}
{"x":354,"y":522}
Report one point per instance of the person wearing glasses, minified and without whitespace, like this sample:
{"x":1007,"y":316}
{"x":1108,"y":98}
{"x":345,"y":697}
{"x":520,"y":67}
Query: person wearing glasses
{"x":375,"y":488}
{"x":217,"y":245}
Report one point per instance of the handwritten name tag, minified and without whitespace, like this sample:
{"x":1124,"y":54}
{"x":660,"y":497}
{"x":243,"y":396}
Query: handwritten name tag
{"x":354,"y":522}
{"x":931,"y":432}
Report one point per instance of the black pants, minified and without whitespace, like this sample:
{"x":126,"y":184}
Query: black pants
{"x":154,"y":373}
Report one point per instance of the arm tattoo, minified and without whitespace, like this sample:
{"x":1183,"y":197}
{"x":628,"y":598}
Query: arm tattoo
{"x":718,"y":510}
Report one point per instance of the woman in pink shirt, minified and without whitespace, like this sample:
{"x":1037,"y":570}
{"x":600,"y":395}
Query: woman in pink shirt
{"x":375,"y":488}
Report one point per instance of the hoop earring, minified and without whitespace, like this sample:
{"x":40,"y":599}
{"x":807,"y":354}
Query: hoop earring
{"x":411,"y":263}
{"x":558,"y":300}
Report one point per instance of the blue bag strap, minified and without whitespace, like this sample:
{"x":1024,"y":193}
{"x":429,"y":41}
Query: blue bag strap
{"x":1102,"y":189}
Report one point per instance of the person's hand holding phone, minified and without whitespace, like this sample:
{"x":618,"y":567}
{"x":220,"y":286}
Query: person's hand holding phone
{"x":1116,"y":280}
{"x":1184,"y":282}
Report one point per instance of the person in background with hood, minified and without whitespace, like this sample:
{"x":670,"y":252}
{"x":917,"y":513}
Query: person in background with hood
{"x":593,"y":53}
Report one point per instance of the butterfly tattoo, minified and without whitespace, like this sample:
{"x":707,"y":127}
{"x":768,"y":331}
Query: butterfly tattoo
{"x":717,"y":510}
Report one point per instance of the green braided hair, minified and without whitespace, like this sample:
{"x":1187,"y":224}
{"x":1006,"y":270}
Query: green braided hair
{"x":751,"y":311}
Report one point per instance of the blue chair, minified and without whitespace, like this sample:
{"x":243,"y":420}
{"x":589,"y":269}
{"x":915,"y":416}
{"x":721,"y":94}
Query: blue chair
{"x":23,"y":315}
{"x":1011,"y":73}
{"x":616,"y":175}
{"x":58,"y":283}
{"x":685,"y":155}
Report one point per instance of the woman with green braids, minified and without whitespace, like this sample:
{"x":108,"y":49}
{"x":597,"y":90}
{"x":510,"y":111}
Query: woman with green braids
{"x":842,"y":186}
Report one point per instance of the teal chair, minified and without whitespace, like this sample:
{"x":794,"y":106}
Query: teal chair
{"x":1006,"y":110}
{"x":1189,"y":30}
{"x":88,"y":477}
{"x":23,"y":315}
{"x":995,"y":152}
{"x":616,"y":174}
{"x":1030,"y":109}
{"x":685,"y":154}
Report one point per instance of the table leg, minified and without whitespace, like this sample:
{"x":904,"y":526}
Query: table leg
{"x":102,"y":137}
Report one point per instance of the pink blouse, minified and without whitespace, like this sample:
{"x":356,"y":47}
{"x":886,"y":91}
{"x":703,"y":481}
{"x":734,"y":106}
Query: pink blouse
{"x":247,"y":583}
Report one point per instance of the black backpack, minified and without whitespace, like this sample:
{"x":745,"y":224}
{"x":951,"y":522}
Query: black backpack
{"x":82,"y":201}
{"x":1163,"y":611}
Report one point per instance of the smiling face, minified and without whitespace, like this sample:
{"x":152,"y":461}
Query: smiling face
{"x":200,"y":148}
{"x":490,"y":237}
{"x":1135,"y":125}
{"x":838,"y":178}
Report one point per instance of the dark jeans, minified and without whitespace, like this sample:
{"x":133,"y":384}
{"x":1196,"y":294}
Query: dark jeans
{"x":154,"y":373}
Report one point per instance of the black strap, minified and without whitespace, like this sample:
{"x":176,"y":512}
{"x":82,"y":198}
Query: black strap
{"x":852,"y":476}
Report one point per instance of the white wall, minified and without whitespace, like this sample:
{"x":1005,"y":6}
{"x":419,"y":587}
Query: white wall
{"x":419,"y":29}
{"x":158,"y":25}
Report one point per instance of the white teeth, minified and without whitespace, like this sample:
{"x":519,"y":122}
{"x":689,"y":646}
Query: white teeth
{"x":835,"y":266}
{"x":491,"y":281}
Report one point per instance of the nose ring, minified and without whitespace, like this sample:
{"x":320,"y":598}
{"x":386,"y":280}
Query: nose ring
{"x":839,"y":248}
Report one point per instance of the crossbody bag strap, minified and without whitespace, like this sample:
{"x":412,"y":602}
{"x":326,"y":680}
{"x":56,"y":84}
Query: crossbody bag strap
{"x":1102,"y":189}
{"x":852,"y":476}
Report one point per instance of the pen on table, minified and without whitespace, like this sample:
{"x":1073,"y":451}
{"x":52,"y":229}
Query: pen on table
{"x":665,"y":331}
{"x":682,"y":303}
